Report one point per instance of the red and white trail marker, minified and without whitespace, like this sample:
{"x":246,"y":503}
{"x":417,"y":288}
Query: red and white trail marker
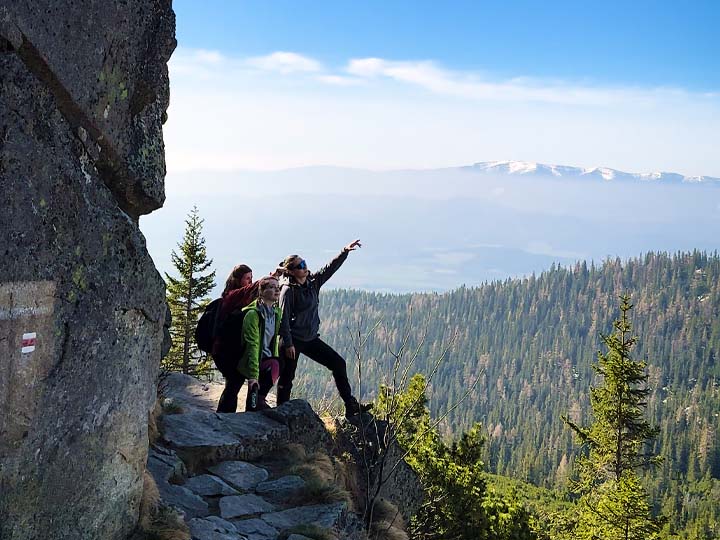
{"x":28,"y":342}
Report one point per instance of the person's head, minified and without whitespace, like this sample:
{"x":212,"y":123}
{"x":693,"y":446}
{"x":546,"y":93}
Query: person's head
{"x":240,"y":276}
{"x":269,"y":290}
{"x":295,"y":267}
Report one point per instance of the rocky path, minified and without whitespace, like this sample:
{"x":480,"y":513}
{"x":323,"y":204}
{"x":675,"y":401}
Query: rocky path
{"x":217,"y":469}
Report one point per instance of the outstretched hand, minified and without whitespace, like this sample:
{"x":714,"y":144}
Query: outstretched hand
{"x":352,"y":246}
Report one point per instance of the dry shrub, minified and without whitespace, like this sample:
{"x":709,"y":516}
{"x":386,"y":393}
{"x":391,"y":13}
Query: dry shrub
{"x":295,"y":453}
{"x":168,"y":525}
{"x":159,"y":522}
{"x":346,"y":475}
{"x":329,"y":423}
{"x":310,"y":531}
{"x":388,"y":523}
{"x":149,"y":501}
{"x":323,"y":483}
{"x":153,"y":431}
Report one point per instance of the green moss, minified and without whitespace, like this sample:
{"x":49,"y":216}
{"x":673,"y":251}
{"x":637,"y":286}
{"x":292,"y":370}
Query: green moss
{"x":78,"y":278}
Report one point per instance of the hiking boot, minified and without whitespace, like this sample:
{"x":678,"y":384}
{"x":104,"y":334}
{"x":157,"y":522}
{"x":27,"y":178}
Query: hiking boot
{"x":353,"y":408}
{"x":262,"y":404}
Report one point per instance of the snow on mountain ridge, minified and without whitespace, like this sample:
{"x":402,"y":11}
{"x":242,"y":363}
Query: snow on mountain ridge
{"x":605,"y":173}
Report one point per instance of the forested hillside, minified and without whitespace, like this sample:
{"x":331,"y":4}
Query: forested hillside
{"x":531,"y":342}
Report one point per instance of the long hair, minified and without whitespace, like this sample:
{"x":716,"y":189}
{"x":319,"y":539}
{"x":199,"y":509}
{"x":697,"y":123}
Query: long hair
{"x":287,"y":262}
{"x":233,"y":280}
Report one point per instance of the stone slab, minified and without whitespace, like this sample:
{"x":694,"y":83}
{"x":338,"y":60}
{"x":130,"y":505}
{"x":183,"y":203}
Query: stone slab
{"x":213,"y":528}
{"x":184,"y":500}
{"x":249,"y":504}
{"x":240,"y":474}
{"x":281,"y":489}
{"x":256,"y":529}
{"x":209,"y":485}
{"x":322,"y":515}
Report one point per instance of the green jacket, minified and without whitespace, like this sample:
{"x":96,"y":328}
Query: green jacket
{"x":253,"y":330}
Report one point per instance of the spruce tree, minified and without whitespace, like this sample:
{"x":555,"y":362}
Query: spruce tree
{"x":613,"y":503}
{"x":187,"y":298}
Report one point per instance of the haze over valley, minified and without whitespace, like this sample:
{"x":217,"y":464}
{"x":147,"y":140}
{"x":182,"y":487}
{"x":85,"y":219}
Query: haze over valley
{"x":433,"y":230}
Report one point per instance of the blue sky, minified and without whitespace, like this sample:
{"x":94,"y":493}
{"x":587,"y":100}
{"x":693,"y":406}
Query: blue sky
{"x":641,"y":42}
{"x":381,"y":86}
{"x":392,"y":85}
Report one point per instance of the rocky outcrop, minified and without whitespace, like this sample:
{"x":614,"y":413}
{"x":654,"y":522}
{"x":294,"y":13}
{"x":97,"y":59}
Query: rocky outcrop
{"x":83,"y":94}
{"x":225,"y":473}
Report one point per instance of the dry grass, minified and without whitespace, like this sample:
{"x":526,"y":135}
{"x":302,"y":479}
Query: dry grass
{"x":388,"y":523}
{"x":310,"y":531}
{"x":153,"y":431}
{"x":149,"y":502}
{"x":324,"y":480}
{"x":159,"y":522}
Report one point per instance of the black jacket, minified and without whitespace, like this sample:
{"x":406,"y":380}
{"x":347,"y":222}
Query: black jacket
{"x":300,"y":303}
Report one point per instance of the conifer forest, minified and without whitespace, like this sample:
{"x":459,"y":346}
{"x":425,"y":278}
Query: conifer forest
{"x":528,"y":347}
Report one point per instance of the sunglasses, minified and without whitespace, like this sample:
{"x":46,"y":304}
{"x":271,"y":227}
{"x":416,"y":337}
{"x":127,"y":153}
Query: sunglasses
{"x":302,"y":265}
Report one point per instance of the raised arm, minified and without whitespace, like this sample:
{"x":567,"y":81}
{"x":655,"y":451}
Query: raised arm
{"x":326,"y":272}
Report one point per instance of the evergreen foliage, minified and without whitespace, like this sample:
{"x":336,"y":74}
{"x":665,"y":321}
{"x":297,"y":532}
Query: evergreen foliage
{"x":528,"y":340}
{"x":457,"y":504}
{"x":187,"y":298}
{"x":613,"y":503}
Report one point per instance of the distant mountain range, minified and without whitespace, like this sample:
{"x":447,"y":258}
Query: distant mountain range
{"x":604,"y":173}
{"x":433,"y":230}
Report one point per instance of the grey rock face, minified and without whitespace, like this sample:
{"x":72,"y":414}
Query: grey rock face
{"x":241,"y":475}
{"x":243,"y":505}
{"x":209,"y":486}
{"x":303,"y":423}
{"x":322,"y":515}
{"x":281,"y":489}
{"x":184,"y":500}
{"x":83,"y":92}
{"x":213,"y":528}
{"x":164,"y":465}
{"x":256,"y":529}
{"x":202,"y":437}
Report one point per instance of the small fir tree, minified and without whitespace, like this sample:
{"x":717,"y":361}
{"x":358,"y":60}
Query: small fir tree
{"x":187,"y":298}
{"x":457,"y":504}
{"x":613,"y":503}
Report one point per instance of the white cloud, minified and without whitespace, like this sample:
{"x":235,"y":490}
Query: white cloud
{"x":339,"y":80}
{"x":285,"y":62}
{"x":469,"y":85}
{"x":288,"y":110}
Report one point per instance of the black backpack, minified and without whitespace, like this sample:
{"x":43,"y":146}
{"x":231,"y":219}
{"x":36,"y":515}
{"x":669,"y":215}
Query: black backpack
{"x":207,"y":326}
{"x":210,"y":327}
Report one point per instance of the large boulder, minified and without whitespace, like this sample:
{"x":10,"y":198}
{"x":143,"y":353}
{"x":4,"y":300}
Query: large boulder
{"x":83,"y":94}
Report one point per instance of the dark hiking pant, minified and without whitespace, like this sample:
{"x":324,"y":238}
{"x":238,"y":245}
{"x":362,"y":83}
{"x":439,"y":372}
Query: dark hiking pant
{"x":269,"y":371}
{"x":320,"y":352}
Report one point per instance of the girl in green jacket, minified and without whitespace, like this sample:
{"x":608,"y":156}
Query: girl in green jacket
{"x":258,"y":363}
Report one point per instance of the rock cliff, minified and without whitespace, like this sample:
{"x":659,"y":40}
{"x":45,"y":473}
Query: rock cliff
{"x":83,"y":94}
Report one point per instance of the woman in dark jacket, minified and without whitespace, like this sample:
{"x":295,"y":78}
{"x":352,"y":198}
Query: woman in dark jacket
{"x":300,"y":327}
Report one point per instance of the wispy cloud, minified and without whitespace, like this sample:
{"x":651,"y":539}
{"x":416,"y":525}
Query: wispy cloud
{"x":288,"y":109}
{"x":340,"y":80}
{"x":470,"y":85}
{"x":285,"y":62}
